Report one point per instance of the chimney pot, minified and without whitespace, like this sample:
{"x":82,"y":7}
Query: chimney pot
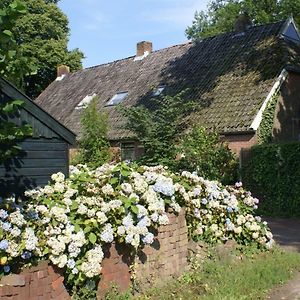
{"x":242,"y":23}
{"x":143,"y":47}
{"x":62,"y":70}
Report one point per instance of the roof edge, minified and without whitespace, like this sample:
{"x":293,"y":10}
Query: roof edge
{"x":39,"y":113}
{"x":258,"y":118}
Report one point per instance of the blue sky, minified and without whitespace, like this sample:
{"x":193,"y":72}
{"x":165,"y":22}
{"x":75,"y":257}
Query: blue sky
{"x":109,"y":30}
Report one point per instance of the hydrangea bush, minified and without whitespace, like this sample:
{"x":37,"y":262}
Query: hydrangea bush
{"x":69,"y":220}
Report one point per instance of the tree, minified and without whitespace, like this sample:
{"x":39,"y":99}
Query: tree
{"x":42,"y":35}
{"x":204,"y":152}
{"x":221,"y":15}
{"x":10,"y":133}
{"x":158,"y":128}
{"x":94,"y":144}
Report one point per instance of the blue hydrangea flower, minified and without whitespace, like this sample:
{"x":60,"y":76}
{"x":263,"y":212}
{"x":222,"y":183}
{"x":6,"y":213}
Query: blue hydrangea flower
{"x":6,"y":226}
{"x":204,"y":201}
{"x":6,"y":268}
{"x":164,"y":187}
{"x":26,"y":255}
{"x":229,"y":209}
{"x":71,"y":263}
{"x":4,"y":245}
{"x":3,"y":214}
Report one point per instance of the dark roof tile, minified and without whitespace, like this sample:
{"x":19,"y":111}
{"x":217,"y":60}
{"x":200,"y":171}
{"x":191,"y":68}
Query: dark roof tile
{"x":229,"y":74}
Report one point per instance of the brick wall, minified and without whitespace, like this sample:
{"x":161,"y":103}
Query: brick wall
{"x":165,"y":258}
{"x":42,"y":282}
{"x":236,"y":142}
{"x":287,"y":115}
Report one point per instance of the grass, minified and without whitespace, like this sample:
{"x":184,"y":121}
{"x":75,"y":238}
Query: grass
{"x":248,"y":278}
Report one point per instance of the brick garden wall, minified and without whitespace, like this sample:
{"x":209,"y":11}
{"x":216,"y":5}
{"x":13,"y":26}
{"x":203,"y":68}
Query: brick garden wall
{"x":43,"y":282}
{"x":165,"y":258}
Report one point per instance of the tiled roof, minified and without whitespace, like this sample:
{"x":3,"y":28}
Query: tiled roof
{"x":229,"y":74}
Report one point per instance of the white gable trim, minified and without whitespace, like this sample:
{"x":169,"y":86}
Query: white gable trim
{"x":258,"y":118}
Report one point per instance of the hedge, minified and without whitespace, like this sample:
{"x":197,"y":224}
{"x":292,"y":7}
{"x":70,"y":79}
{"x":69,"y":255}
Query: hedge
{"x":272,"y":173}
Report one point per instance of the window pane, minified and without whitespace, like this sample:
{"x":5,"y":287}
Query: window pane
{"x":117,"y":98}
{"x":127,"y":151}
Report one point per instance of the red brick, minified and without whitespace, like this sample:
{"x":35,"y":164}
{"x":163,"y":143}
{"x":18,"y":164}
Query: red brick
{"x":57,"y":283}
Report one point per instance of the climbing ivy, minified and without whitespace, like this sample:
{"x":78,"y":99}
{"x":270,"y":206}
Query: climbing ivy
{"x":272,"y":173}
{"x":265,"y":128}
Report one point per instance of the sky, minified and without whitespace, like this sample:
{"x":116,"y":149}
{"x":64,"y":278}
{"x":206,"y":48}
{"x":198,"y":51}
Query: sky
{"x":109,"y":30}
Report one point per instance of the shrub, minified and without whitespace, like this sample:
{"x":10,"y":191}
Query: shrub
{"x":69,"y":220}
{"x":158,"y":127}
{"x":94,"y":144}
{"x":273,"y":172}
{"x":205,"y":153}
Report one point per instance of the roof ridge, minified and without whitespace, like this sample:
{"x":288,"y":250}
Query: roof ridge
{"x":132,"y":56}
{"x":177,"y":45}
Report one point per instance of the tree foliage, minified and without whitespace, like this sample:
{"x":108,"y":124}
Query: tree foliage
{"x":42,"y":35}
{"x":94,"y":144}
{"x":220,"y":15}
{"x":205,"y":153}
{"x":159,"y":128}
{"x":162,"y":129}
{"x":10,"y":133}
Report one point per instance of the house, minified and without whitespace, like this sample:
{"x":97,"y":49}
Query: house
{"x":233,"y":76}
{"x":42,"y":154}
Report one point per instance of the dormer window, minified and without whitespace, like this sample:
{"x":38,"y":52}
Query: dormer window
{"x":158,"y":90}
{"x":85,"y":101}
{"x":117,"y":98}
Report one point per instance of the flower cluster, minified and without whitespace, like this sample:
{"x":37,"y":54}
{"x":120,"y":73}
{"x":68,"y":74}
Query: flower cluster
{"x":69,"y":220}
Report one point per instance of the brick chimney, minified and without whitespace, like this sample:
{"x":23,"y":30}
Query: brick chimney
{"x":242,"y":23}
{"x":62,"y":70}
{"x":143,"y":47}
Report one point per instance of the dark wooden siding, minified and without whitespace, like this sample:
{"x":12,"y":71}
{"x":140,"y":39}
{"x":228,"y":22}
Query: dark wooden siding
{"x":35,"y":164}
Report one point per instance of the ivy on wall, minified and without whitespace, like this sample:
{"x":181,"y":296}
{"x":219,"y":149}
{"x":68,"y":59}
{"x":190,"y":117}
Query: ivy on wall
{"x":265,"y":129}
{"x":272,"y":173}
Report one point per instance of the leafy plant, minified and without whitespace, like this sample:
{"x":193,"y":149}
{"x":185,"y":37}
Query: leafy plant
{"x":11,"y":133}
{"x":272,"y":172}
{"x":159,"y":127}
{"x":205,"y":153}
{"x":94,"y":145}
{"x":220,"y":16}
{"x":41,"y":33}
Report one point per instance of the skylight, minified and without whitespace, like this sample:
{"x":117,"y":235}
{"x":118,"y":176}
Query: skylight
{"x":85,"y":101}
{"x":158,"y":90}
{"x":117,"y":98}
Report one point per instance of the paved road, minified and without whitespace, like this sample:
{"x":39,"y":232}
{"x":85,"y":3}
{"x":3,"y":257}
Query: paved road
{"x":286,"y":232}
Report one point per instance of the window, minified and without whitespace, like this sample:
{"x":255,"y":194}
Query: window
{"x":159,"y":90}
{"x":127,"y":151}
{"x":85,"y":101}
{"x":117,"y":98}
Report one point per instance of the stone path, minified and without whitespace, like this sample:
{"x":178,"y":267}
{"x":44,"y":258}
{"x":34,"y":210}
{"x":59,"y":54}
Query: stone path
{"x":287,"y":234}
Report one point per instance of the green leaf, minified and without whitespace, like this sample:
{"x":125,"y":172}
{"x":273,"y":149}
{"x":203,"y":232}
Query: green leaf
{"x":134,"y":209}
{"x":125,"y":173}
{"x":87,"y":229}
{"x":77,"y":228}
{"x":8,"y":33}
{"x":92,"y":238}
{"x":113,"y":180}
{"x":74,"y":205}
